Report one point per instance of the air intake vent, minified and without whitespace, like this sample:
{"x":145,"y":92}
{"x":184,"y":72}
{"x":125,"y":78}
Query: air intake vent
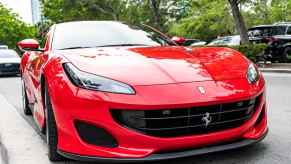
{"x":94,"y":135}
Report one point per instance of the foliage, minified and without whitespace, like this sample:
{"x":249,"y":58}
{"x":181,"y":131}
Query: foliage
{"x":280,"y":10}
{"x":12,"y":28}
{"x":209,"y":19}
{"x":205,"y":21}
{"x":251,"y":51}
{"x":159,"y":14}
{"x":73,"y":10}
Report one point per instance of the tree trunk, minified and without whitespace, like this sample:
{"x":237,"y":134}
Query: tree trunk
{"x":155,"y":6}
{"x":239,"y":21}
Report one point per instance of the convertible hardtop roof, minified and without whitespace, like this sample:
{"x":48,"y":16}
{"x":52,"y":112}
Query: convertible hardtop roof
{"x":77,"y":22}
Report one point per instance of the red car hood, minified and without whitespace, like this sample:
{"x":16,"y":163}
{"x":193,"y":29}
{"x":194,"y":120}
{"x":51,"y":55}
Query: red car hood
{"x":159,"y":65}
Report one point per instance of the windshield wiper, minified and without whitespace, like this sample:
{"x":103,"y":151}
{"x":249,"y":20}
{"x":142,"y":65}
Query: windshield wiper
{"x":117,"y":45}
{"x":77,"y":47}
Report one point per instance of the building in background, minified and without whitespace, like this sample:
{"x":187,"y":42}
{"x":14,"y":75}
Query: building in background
{"x":35,"y":11}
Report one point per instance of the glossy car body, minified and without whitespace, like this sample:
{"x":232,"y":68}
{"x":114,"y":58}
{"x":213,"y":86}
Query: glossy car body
{"x":168,"y":79}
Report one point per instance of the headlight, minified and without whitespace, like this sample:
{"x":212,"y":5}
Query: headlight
{"x":94,"y":82}
{"x":253,"y":74}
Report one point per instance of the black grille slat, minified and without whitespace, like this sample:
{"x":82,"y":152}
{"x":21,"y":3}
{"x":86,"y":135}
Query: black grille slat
{"x":187,"y":121}
{"x":201,"y":125}
{"x":189,"y":116}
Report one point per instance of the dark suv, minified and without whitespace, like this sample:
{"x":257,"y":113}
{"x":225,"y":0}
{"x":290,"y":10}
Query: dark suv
{"x":277,"y":36}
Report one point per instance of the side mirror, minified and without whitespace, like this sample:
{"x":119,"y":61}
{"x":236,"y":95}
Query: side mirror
{"x":178,"y":40}
{"x":28,"y":45}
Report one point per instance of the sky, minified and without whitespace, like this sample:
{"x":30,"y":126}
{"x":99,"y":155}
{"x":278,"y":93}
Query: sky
{"x":21,"y":7}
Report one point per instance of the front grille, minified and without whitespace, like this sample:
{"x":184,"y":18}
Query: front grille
{"x":9,"y":67}
{"x":187,"y":121}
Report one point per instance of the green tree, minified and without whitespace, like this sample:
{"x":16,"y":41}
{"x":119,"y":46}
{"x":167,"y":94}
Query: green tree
{"x":73,"y":10}
{"x":159,"y":13}
{"x":12,"y":28}
{"x":280,"y":10}
{"x":206,"y":20}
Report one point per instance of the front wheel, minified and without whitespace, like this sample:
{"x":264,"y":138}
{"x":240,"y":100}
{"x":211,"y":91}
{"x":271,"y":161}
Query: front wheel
{"x":51,"y":130}
{"x":286,"y":55}
{"x":25,"y":103}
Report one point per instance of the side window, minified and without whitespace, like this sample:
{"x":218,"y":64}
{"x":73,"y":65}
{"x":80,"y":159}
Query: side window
{"x":289,"y":30}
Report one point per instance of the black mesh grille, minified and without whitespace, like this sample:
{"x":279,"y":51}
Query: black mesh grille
{"x":187,"y":121}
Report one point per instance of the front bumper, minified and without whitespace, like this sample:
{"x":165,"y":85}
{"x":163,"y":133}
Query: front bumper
{"x":167,"y":156}
{"x":71,"y":103}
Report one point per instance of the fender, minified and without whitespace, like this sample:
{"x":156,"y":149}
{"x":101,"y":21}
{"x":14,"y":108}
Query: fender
{"x":49,"y":72}
{"x":288,"y":44}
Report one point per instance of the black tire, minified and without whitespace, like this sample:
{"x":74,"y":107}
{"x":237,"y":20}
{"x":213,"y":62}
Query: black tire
{"x":25,"y":104}
{"x":51,"y":130}
{"x":287,"y":54}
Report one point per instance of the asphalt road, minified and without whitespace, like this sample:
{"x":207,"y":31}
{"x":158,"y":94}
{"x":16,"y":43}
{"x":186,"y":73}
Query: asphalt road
{"x":276,"y":148}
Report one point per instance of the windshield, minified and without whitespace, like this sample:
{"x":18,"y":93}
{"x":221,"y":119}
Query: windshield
{"x":8,"y":54}
{"x":267,"y":31}
{"x":104,"y":33}
{"x":3,"y":47}
{"x":190,"y":42}
{"x":229,"y":40}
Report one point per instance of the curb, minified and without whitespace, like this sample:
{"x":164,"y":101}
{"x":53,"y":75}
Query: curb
{"x":274,"y":70}
{"x":20,"y":144}
{"x":3,"y":153}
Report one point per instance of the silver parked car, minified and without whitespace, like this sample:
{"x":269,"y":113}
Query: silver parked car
{"x":226,"y":41}
{"x":3,"y":47}
{"x":9,"y":62}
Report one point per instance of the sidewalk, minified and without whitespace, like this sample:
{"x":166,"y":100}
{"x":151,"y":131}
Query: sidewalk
{"x":19,"y":143}
{"x":276,"y":68}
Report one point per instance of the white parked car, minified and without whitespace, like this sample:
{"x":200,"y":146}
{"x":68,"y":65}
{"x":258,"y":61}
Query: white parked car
{"x":3,"y":47}
{"x":200,"y":43}
{"x":226,"y":41}
{"x":9,"y":62}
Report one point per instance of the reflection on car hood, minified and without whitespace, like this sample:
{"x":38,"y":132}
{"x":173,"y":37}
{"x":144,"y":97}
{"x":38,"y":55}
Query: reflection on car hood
{"x":159,"y":65}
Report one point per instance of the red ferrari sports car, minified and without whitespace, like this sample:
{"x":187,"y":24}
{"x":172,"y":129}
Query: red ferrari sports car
{"x":104,"y":90}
